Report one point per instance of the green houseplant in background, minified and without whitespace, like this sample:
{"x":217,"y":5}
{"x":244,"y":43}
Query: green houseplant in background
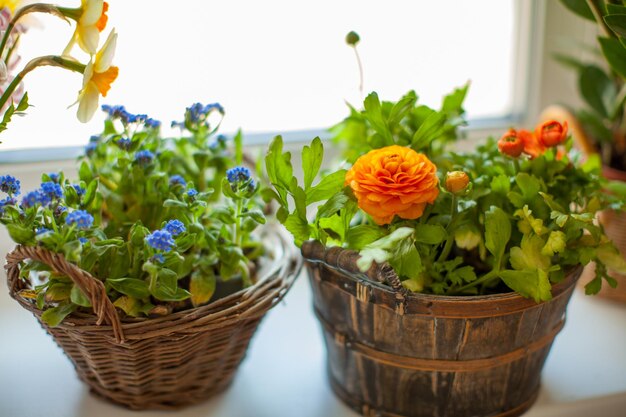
{"x":440,"y":277}
{"x":600,"y":127}
{"x":153,"y":252}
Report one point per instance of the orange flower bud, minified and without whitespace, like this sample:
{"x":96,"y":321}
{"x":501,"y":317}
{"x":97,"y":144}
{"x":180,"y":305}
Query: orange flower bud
{"x":456,"y":181}
{"x":511,"y":144}
{"x":394,"y":180}
{"x":551,"y":133}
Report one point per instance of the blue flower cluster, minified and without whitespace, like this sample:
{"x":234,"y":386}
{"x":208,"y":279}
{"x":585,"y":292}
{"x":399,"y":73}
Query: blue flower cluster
{"x":239,"y":175}
{"x":9,"y":185}
{"x":35,"y":197}
{"x":192,"y":192}
{"x":198,"y":113}
{"x":80,"y":191}
{"x":124,"y":144}
{"x":161,"y":240}
{"x":81,"y":218}
{"x":144,"y":157}
{"x":175,"y":227}
{"x":90,"y":148}
{"x":177,"y":180}
{"x":52,"y":190}
{"x":54,"y":177}
{"x":120,"y":112}
{"x":9,"y":201}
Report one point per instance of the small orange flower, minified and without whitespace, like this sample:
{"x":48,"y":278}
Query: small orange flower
{"x":511,"y":143}
{"x":532,"y":146}
{"x":456,"y":181}
{"x":551,"y":133}
{"x":394,"y":180}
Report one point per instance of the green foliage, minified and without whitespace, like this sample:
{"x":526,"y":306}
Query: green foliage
{"x":404,"y":123}
{"x":521,"y":224}
{"x":14,"y":110}
{"x":603,"y":91}
{"x":134,"y":184}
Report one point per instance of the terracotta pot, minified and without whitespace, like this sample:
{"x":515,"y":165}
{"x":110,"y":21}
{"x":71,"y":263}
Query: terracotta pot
{"x":391,"y":353}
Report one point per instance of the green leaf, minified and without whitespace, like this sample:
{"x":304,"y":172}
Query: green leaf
{"x":55,"y":315}
{"x":238,"y":141}
{"x":501,"y":184}
{"x":373,"y":113}
{"x":255,"y":214}
{"x":597,"y":89}
{"x":594,"y":126}
{"x":23,"y":104}
{"x":430,"y":234}
{"x":530,"y":255}
{"x":617,"y":23}
{"x":593,"y":287}
{"x":615,"y":54}
{"x":332,"y":205}
{"x":402,"y":107}
{"x":128,"y":305}
{"x":279,"y":168}
{"x":202,"y":286}
{"x":453,"y":102}
{"x":79,"y":298}
{"x":174,"y":203}
{"x":90,"y":193}
{"x":379,"y":250}
{"x":20,"y":234}
{"x":530,"y":283}
{"x":555,"y":244}
{"x":362,"y":235}
{"x":133,"y":287}
{"x":569,"y":61}
{"x":406,"y":260}
{"x":312,"y":157}
{"x":579,"y":7}
{"x":615,"y":9}
{"x":327,"y":187}
{"x":610,"y":256}
{"x":85,"y":173}
{"x":299,"y":228}
{"x":430,"y":130}
{"x":497,"y":233}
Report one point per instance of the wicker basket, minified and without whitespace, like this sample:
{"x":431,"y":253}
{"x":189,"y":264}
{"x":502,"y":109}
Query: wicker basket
{"x":167,"y":362}
{"x":394,"y":354}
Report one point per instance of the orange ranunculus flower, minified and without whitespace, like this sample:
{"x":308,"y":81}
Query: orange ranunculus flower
{"x":511,"y":143}
{"x":532,"y":145}
{"x":394,"y":180}
{"x":551,"y":133}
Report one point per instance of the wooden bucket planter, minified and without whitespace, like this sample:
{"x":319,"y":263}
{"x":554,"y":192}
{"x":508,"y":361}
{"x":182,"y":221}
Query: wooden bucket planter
{"x":391,"y":353}
{"x":167,"y":362}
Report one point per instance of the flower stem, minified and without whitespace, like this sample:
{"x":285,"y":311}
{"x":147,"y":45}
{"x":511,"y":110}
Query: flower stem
{"x":31,"y":8}
{"x":50,"y":60}
{"x":450,"y":240}
{"x":238,"y":236}
{"x":358,"y":61}
{"x":485,"y":278}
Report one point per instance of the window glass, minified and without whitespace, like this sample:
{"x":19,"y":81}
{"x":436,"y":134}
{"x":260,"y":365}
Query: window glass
{"x":275,"y":65}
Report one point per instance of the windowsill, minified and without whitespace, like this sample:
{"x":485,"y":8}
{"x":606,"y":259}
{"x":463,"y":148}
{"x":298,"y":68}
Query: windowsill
{"x":284,"y":373}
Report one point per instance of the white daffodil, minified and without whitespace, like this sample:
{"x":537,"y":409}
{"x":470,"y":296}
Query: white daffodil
{"x":97,"y":79}
{"x":91,"y":19}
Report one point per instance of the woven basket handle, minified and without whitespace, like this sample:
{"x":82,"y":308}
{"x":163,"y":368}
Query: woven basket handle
{"x":93,"y":288}
{"x":345,"y":260}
